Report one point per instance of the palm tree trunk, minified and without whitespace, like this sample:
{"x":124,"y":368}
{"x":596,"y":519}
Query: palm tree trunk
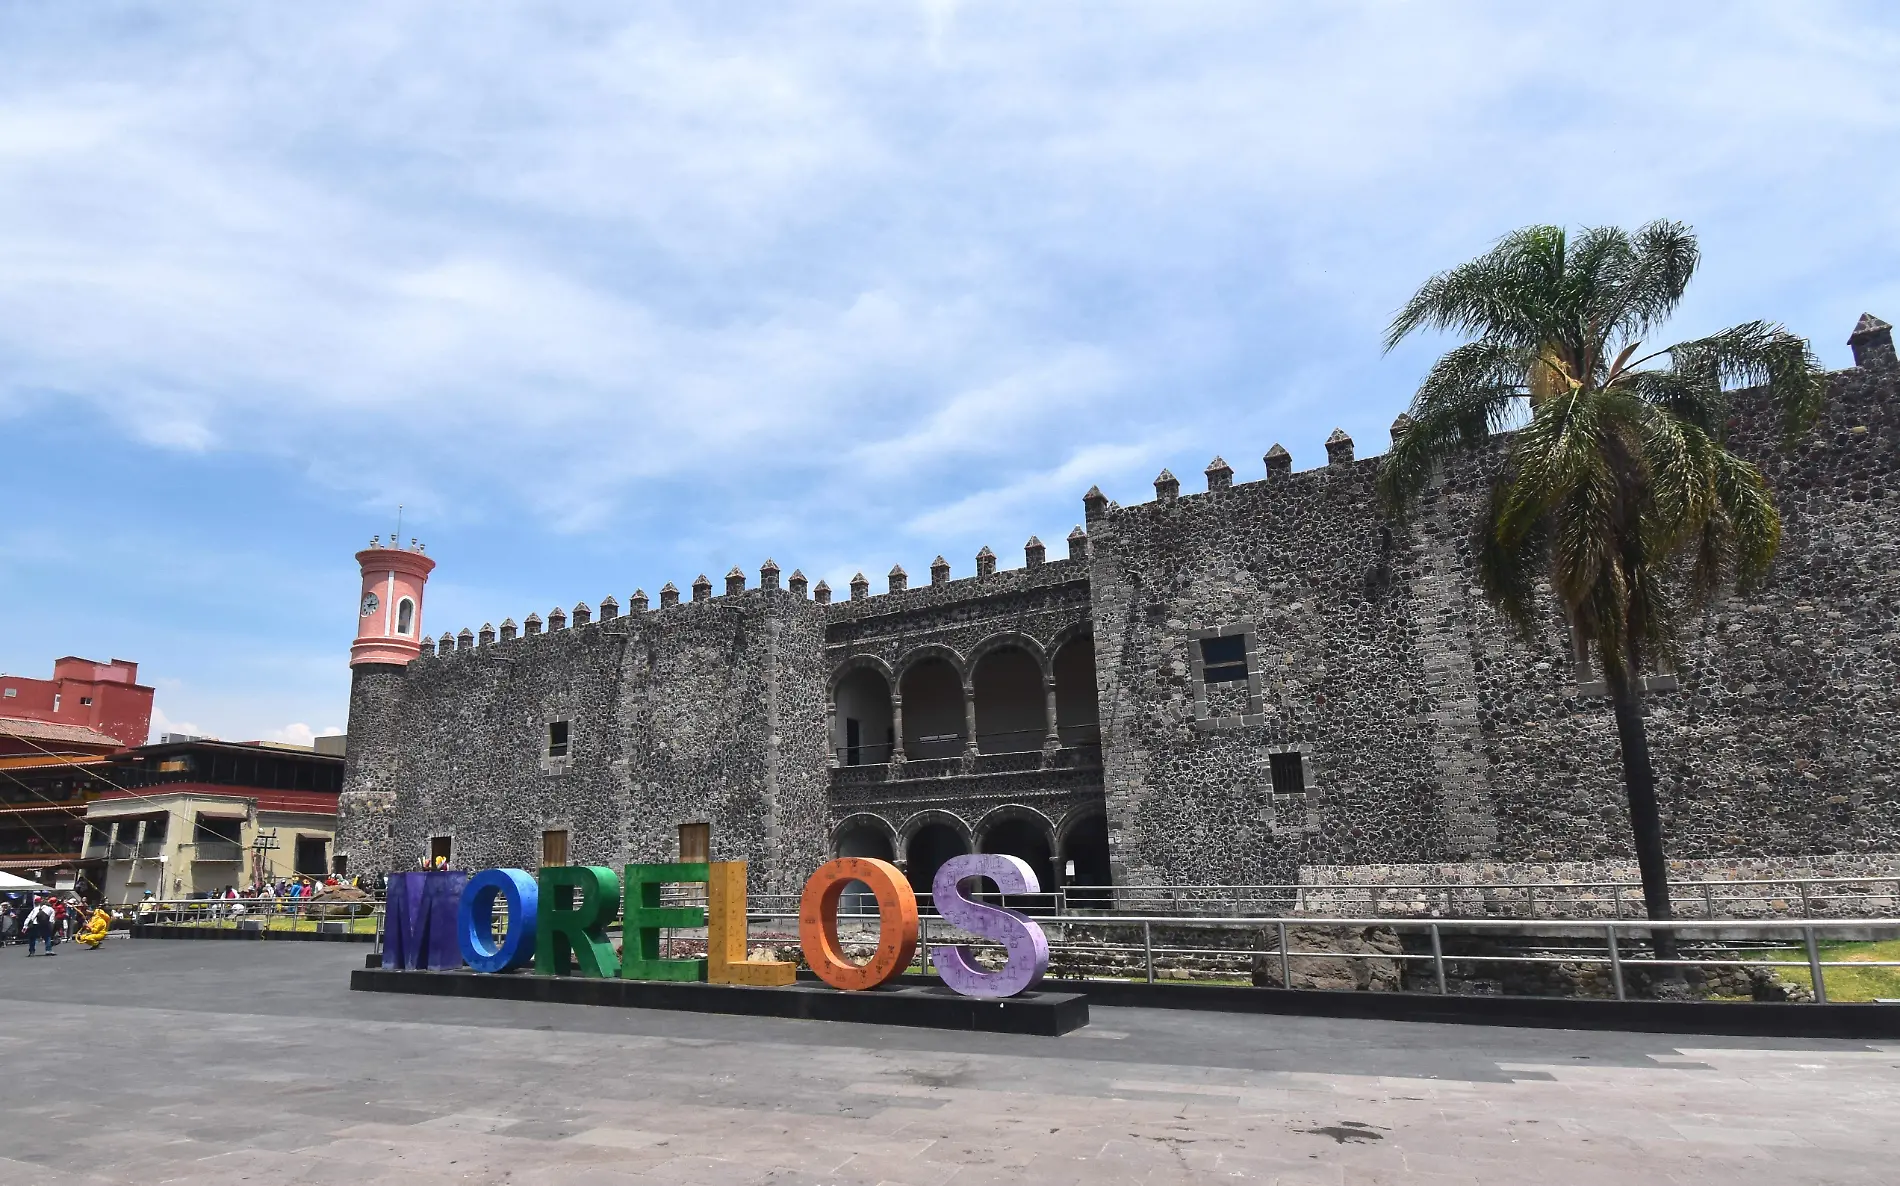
{"x":1639,"y":783}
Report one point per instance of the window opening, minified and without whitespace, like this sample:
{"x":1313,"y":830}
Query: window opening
{"x":439,"y":847}
{"x":85,"y":700}
{"x":55,"y":701}
{"x":1288,"y":772}
{"x":340,"y":865}
{"x":557,"y":739}
{"x":312,"y":856}
{"x":554,"y":847}
{"x":1224,"y":660}
{"x":695,"y":843}
{"x":405,"y":616}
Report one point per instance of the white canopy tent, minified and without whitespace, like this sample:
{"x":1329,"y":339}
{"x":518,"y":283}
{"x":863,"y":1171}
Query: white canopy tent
{"x":9,"y":884}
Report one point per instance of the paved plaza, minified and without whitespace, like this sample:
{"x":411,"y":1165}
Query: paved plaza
{"x":216,"y":1063}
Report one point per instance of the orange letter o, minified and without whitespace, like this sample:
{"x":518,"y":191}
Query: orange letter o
{"x":896,"y":919}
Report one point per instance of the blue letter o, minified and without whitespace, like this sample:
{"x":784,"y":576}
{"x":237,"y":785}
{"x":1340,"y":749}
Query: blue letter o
{"x":475,"y":922}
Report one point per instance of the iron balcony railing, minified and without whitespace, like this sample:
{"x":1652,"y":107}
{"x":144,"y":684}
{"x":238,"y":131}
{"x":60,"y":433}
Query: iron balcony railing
{"x":217,"y":850}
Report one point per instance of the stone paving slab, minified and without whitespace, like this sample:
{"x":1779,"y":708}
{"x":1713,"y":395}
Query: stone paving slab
{"x":155,"y":1062}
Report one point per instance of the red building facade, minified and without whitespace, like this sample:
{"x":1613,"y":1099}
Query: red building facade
{"x":86,"y":708}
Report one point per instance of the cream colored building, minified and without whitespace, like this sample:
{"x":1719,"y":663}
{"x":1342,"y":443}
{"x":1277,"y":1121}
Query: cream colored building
{"x":193,"y":818}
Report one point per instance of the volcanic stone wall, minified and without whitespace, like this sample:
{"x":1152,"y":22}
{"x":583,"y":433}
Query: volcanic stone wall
{"x":709,"y":710}
{"x":1431,"y":734}
{"x":1305,"y":569}
{"x":1409,"y":727}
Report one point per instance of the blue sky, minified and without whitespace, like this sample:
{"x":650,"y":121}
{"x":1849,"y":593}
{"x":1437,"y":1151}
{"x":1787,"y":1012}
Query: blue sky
{"x":612,"y":295}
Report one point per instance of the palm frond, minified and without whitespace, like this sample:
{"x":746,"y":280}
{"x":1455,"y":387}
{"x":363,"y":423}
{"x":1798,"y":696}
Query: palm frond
{"x":1667,"y":256}
{"x":1500,"y":295}
{"x":1508,"y":569}
{"x":1469,"y":394}
{"x":1749,"y":509}
{"x":1759,"y":353}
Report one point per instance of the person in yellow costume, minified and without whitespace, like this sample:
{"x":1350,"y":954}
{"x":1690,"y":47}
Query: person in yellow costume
{"x":94,"y":932}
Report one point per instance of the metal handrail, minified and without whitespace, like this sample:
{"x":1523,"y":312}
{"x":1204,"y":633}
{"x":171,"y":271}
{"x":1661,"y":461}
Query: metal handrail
{"x":1618,"y":937}
{"x":1454,"y":899}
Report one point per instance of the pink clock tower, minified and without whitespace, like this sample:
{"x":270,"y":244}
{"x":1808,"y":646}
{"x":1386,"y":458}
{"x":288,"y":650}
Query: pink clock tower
{"x":389,"y":608}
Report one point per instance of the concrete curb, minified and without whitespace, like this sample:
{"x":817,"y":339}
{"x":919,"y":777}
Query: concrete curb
{"x":1044,"y":1014}
{"x":167,"y":931}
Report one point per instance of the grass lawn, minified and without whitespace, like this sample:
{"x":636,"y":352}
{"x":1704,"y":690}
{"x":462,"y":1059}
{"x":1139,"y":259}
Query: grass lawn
{"x":1845,"y":984}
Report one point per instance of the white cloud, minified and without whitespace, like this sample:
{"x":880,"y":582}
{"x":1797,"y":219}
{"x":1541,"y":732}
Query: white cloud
{"x":298,"y":733}
{"x":162,"y":724}
{"x":606,"y":295}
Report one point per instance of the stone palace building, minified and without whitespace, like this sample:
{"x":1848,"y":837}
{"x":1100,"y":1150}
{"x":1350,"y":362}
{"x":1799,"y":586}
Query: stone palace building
{"x":1265,"y":682}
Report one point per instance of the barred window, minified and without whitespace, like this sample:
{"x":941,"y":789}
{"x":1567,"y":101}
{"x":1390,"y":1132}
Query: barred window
{"x":1288,"y":771}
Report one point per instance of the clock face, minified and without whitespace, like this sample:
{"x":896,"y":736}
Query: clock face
{"x":369,"y":604}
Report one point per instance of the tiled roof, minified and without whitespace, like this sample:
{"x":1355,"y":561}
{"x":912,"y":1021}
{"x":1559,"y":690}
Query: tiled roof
{"x":54,"y":732}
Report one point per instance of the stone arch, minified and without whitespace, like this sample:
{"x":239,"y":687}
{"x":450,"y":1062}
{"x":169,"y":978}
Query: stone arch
{"x":855,"y":662}
{"x":1072,"y":670}
{"x":932,"y":815}
{"x":1009,"y":690}
{"x":1069,"y":634}
{"x":1021,"y":831}
{"x":930,"y":838}
{"x":1083,"y":839}
{"x":862,"y":721}
{"x":929,"y":650}
{"x":863,"y":834}
{"x":935,"y":717}
{"x":1009,"y":638}
{"x":864,"y":825}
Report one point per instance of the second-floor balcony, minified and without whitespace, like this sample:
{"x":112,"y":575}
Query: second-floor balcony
{"x":102,"y":850}
{"x":949,"y":756}
{"x":217,"y":850}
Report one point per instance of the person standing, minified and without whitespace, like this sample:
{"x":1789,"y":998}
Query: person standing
{"x":39,"y":927}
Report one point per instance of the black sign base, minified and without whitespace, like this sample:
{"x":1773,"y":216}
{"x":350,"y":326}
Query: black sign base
{"x":1048,"y":1014}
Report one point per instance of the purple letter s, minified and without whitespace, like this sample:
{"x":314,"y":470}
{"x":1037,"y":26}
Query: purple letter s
{"x":1022,"y":938}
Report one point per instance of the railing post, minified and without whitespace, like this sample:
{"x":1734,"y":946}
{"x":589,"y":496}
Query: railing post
{"x":1814,"y":966}
{"x":1148,"y":949}
{"x":1238,"y":911}
{"x":1286,"y":961}
{"x":923,"y":944}
{"x":1807,"y":911}
{"x":1616,"y":961}
{"x":1438,"y":960}
{"x":1530,"y":899}
{"x":1708,"y":901}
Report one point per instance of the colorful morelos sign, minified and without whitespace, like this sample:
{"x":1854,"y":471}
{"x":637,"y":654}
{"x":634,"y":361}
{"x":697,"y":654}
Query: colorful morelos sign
{"x":557,"y":921}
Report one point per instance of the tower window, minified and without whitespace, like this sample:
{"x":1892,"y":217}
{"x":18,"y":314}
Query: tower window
{"x":405,"y":616}
{"x":1289,"y":773}
{"x":85,"y":700}
{"x":1224,"y":660}
{"x":557,"y":739}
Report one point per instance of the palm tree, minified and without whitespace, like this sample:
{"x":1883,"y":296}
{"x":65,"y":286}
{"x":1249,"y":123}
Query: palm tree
{"x":1616,"y":490}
